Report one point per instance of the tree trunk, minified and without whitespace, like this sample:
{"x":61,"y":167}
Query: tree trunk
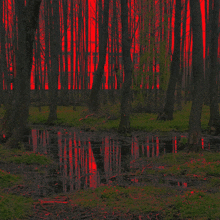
{"x":86,"y":78}
{"x":97,"y":80}
{"x":214,"y":121}
{"x":46,"y":50}
{"x":55,"y":50}
{"x":4,"y":71}
{"x":198,"y":78}
{"x":71,"y":55}
{"x":17,"y":113}
{"x":174,"y":69}
{"x":124,"y":126}
{"x":207,"y":52}
{"x":64,"y":95}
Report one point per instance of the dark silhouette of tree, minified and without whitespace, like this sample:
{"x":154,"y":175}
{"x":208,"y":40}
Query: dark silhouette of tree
{"x":79,"y":34}
{"x":86,"y":79}
{"x":198,"y":78}
{"x":214,"y":121}
{"x":208,"y":20}
{"x":3,"y":60}
{"x":71,"y":53}
{"x":124,"y":125}
{"x":54,"y":54}
{"x":16,"y":115}
{"x":97,"y":80}
{"x":64,"y":97}
{"x":174,"y":69}
{"x":37,"y":68}
{"x":180,"y":77}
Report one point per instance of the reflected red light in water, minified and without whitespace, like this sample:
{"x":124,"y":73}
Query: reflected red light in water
{"x":184,"y":185}
{"x":202,"y":140}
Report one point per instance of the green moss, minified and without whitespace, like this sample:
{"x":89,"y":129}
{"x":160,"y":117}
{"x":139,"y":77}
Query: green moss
{"x":196,"y":204}
{"x":191,"y":165}
{"x":166,"y":202}
{"x":20,"y":156}
{"x":135,"y":199}
{"x":15,"y":207}
{"x":12,"y":206}
{"x":108,"y":118}
{"x":8,"y":180}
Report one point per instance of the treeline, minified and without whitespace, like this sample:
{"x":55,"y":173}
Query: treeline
{"x":136,"y":45}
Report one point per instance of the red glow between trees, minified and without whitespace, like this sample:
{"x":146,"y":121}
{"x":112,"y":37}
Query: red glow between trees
{"x":134,"y":27}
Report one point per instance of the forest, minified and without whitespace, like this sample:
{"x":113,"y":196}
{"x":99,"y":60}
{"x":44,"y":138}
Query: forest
{"x":120,"y":67}
{"x":70,"y":52}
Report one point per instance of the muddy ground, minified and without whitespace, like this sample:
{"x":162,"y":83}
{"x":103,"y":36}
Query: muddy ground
{"x":35,"y":187}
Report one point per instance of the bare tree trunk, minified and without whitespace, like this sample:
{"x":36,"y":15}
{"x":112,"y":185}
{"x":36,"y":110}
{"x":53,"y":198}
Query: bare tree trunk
{"x":207,"y":52}
{"x":124,"y":126}
{"x":4,"y":70}
{"x":71,"y":55}
{"x":86,"y":79}
{"x":174,"y":69}
{"x":198,"y":78}
{"x":46,"y":59}
{"x":97,"y":81}
{"x":64,"y":97}
{"x":181,"y":73}
{"x":183,"y":64}
{"x":55,"y":50}
{"x":38,"y":86}
{"x":214,"y":120}
{"x":77,"y":81}
{"x":18,"y":112}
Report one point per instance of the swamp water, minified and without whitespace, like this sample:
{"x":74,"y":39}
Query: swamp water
{"x":91,"y":159}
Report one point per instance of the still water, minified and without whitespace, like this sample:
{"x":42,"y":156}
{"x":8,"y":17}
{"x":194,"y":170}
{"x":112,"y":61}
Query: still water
{"x":88,"y":160}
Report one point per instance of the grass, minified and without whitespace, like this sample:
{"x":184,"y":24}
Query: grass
{"x":201,"y":166}
{"x":16,"y":206}
{"x":13,"y":206}
{"x":108,"y":118}
{"x":169,"y":203}
{"x":21,"y":156}
{"x":166,"y":202}
{"x":198,"y":202}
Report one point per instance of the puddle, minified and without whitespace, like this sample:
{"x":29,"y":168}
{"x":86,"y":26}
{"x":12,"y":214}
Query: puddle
{"x":89,"y":160}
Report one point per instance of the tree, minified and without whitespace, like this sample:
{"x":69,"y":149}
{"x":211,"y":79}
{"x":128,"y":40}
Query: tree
{"x":103,"y":36}
{"x":198,"y":78}
{"x":54,"y":52}
{"x":214,"y":121}
{"x":3,"y":59}
{"x":64,"y":97}
{"x":16,"y":115}
{"x":208,"y":19}
{"x":174,"y":69}
{"x":124,"y":125}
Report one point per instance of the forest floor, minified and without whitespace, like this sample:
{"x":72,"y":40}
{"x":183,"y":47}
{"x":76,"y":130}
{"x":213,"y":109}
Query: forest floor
{"x":172,"y":186}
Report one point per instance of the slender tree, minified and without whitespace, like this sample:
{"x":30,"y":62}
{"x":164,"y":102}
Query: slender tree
{"x":3,"y":60}
{"x":214,"y":121}
{"x":174,"y":69}
{"x":97,"y":80}
{"x":86,"y":79}
{"x":80,"y":20}
{"x":46,"y":41}
{"x":54,"y":55}
{"x":124,"y":126}
{"x":71,"y":53}
{"x":64,"y":97}
{"x":208,"y":20}
{"x":198,"y":77}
